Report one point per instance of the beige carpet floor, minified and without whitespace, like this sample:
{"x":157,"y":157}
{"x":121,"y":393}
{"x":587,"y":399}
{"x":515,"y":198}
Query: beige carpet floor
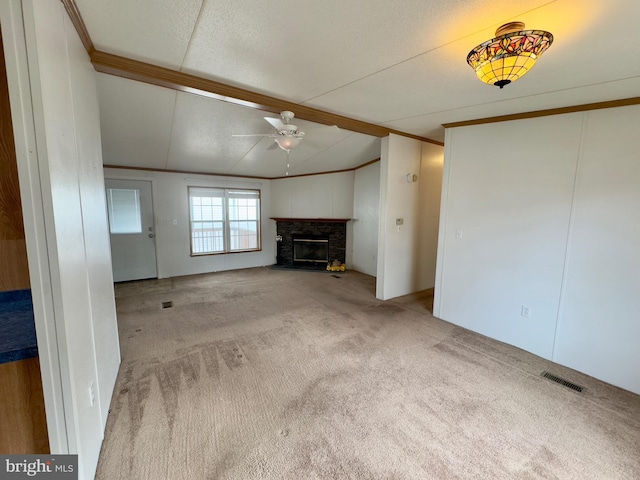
{"x":272,"y":374}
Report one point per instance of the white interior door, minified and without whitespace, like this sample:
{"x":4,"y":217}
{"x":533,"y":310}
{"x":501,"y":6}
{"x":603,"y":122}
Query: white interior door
{"x":133,"y":244}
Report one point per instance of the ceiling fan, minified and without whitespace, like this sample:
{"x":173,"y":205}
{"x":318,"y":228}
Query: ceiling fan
{"x":287,"y":135}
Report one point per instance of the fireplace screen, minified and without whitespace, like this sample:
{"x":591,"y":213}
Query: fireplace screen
{"x":310,"y":250}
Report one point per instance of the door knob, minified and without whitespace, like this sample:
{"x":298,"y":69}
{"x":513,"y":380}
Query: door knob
{"x":151,"y":235}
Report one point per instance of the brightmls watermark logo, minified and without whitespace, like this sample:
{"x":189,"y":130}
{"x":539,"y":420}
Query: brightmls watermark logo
{"x":52,"y":467}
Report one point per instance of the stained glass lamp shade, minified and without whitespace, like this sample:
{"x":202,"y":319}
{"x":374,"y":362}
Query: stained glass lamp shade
{"x":511,"y":54}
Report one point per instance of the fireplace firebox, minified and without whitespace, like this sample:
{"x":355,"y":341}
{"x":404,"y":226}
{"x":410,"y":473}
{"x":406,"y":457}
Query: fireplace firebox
{"x":312,"y":250}
{"x":328,"y":243}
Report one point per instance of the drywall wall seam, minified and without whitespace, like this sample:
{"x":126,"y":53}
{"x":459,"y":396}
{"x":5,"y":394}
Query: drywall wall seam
{"x":173,"y":119}
{"x":570,"y":228}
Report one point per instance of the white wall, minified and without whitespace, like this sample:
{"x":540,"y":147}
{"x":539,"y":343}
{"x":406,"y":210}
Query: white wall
{"x":510,"y":200}
{"x":366,"y":212}
{"x":403,"y":264}
{"x":316,"y":196}
{"x":94,"y":218}
{"x":430,"y":191}
{"x":599,"y":326}
{"x":313,"y":196}
{"x":547,"y":211}
{"x":170,"y":202}
{"x":77,"y":256}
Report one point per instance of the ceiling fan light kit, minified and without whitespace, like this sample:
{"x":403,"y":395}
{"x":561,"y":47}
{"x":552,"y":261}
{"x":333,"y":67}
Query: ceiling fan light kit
{"x":510,"y":55}
{"x":287,"y":135}
{"x":287,"y":142}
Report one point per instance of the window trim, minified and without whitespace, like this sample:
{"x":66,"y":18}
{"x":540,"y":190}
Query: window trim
{"x":226,"y":221}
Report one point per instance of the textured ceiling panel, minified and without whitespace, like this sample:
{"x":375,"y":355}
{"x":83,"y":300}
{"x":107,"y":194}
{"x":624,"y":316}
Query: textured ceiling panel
{"x":355,"y":150}
{"x":135,"y":121}
{"x":202,"y":140}
{"x":591,"y":94}
{"x":308,"y":48}
{"x":154,"y":31}
{"x":441,"y":80}
{"x":265,"y":160}
{"x":401,"y":65}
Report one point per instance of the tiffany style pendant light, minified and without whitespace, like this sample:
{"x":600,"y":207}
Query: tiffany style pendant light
{"x":511,"y":54}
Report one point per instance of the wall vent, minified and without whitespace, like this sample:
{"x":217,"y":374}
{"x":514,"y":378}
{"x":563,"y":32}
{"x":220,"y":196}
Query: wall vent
{"x":562,"y":381}
{"x":167,"y":304}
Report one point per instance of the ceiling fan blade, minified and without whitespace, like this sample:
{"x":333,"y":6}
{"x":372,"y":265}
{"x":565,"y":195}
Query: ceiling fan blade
{"x":329,"y":129}
{"x":275,"y":122}
{"x":323,"y":136}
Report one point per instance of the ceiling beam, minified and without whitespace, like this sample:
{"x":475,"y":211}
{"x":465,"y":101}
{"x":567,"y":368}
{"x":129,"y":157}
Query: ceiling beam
{"x":183,"y":82}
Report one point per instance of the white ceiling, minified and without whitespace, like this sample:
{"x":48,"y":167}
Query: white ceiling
{"x":397,"y":64}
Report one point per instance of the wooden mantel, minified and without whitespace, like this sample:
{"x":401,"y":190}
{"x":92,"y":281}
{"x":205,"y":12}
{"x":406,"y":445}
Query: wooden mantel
{"x":335,"y":220}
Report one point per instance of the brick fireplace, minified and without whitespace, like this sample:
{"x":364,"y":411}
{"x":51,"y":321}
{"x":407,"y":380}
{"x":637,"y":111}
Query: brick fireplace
{"x":311,"y":241}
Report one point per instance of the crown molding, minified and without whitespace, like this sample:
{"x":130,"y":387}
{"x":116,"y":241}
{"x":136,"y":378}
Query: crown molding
{"x":366,"y":164}
{"x":186,"y":172}
{"x":74,"y":14}
{"x":210,"y":174}
{"x":545,"y":113}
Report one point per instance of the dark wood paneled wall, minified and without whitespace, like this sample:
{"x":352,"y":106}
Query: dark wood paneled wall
{"x":24,"y":425}
{"x":14,"y":272}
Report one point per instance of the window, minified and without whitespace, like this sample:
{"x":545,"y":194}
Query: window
{"x":224,"y":220}
{"x":123,"y":206}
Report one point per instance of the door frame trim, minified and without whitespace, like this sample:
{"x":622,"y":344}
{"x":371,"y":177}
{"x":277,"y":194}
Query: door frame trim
{"x":24,"y":131}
